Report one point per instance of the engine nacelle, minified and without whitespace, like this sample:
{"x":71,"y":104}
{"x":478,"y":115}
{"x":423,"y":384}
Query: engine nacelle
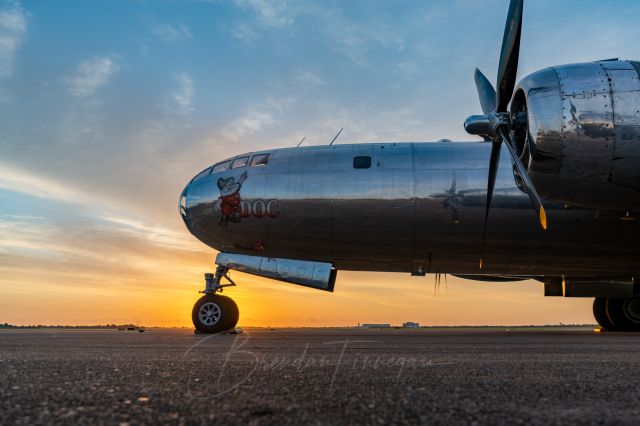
{"x":584,"y":129}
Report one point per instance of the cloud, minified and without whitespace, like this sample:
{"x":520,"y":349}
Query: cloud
{"x":156,"y":235}
{"x":92,"y":74}
{"x":245,"y":33}
{"x":253,"y":121}
{"x":272,"y":13}
{"x":183,"y":95}
{"x":407,"y":69}
{"x":308,"y":77}
{"x":172,"y":33}
{"x":20,"y":232}
{"x":353,"y":37}
{"x":17,"y":180}
{"x":13,"y":28}
{"x":256,"y":118}
{"x":355,"y":40}
{"x":36,"y":239}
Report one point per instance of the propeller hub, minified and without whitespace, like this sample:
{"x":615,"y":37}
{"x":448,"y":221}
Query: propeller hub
{"x":487,"y":125}
{"x":478,"y":125}
{"x":499,"y":119}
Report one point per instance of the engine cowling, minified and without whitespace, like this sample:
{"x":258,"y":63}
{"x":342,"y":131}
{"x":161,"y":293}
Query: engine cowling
{"x":581,"y":140}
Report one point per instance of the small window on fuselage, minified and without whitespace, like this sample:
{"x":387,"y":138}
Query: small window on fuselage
{"x":260,"y":160}
{"x":221,"y":167}
{"x":240,"y":162}
{"x":202,"y":174}
{"x":362,"y":162}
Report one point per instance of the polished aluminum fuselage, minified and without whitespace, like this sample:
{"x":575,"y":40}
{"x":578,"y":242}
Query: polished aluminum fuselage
{"x":418,"y":208}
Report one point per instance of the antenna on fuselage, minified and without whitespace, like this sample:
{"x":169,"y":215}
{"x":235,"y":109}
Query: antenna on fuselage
{"x":301,"y":140}
{"x":336,"y":137}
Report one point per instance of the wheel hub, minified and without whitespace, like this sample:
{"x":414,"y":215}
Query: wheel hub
{"x":632,"y":309}
{"x":209,"y":313}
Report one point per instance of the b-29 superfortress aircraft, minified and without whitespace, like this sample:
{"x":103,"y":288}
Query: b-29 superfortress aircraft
{"x":560,"y":207}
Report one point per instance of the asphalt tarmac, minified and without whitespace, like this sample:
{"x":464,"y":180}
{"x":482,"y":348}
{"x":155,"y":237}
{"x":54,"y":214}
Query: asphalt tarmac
{"x":319,"y":376}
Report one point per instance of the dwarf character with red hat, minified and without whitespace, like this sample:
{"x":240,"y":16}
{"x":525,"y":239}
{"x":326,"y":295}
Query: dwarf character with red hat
{"x":229,"y":202}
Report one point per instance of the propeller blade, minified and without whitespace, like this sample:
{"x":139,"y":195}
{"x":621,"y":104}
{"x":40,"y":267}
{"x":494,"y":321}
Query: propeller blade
{"x":494,"y":162}
{"x":486,"y":92}
{"x":531,"y":190}
{"x":509,"y":54}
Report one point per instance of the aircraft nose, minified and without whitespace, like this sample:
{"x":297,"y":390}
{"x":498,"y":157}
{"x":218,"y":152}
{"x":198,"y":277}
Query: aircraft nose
{"x":195,"y":199}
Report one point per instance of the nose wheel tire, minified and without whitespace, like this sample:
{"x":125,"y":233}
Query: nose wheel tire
{"x":214,"y":313}
{"x":600,"y":313}
{"x":624,"y":314}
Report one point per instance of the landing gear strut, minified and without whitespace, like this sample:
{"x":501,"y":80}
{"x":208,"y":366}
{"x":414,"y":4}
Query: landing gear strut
{"x":214,"y":313}
{"x":617,"y":314}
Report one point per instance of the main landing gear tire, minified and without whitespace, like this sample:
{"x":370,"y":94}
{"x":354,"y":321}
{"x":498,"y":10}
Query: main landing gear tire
{"x":214,"y":313}
{"x":600,"y":313}
{"x":624,"y":314}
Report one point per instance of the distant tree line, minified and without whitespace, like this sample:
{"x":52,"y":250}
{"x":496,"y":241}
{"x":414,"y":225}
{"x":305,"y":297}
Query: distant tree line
{"x":116,"y":326}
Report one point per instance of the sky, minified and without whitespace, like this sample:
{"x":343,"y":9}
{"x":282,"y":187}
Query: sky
{"x":109,"y":107}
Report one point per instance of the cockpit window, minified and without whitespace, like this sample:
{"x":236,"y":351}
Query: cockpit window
{"x":240,"y":162}
{"x":202,"y":174}
{"x":221,"y":167}
{"x":260,"y":160}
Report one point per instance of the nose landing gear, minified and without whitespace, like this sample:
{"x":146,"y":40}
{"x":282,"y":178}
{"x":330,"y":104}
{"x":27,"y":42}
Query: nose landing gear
{"x":214,"y":313}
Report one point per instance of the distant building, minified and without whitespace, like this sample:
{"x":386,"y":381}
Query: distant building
{"x":410,"y":324}
{"x":375,"y":325}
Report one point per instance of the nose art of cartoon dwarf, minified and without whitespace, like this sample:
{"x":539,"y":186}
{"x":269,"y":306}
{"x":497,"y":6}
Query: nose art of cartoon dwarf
{"x":229,"y":202}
